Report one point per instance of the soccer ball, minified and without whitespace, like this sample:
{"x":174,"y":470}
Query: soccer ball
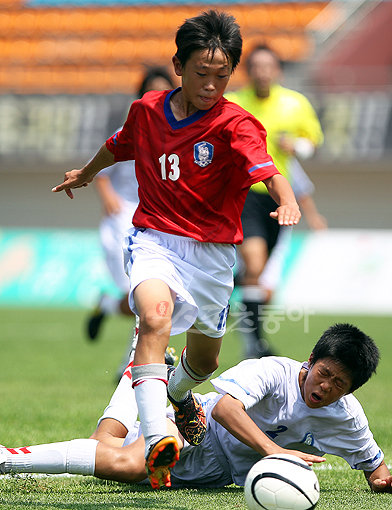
{"x":281,"y":482}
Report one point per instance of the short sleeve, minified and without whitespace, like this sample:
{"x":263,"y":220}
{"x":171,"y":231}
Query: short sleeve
{"x":248,"y":144}
{"x":251,"y":380}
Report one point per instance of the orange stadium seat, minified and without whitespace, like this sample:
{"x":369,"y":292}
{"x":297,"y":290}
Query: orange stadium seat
{"x":283,"y":16}
{"x":308,"y":12}
{"x":11,"y":4}
{"x":103,"y":49}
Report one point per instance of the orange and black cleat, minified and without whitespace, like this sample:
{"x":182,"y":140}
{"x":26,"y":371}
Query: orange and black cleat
{"x":190,"y":419}
{"x":162,"y":456}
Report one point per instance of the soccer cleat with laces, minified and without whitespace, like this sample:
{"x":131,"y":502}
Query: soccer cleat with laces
{"x":190,"y":418}
{"x":162,"y":456}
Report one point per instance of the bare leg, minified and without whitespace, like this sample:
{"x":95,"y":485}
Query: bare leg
{"x":155,"y":303}
{"x":124,"y":306}
{"x":202,"y":352}
{"x":254,"y":252}
{"x":125,"y":464}
{"x":110,"y":432}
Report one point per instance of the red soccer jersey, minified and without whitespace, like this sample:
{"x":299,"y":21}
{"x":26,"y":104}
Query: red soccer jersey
{"x":193,"y":174}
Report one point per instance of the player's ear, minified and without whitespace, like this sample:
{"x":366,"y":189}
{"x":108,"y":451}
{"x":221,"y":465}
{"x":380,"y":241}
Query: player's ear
{"x":177,"y":65}
{"x":310,"y":360}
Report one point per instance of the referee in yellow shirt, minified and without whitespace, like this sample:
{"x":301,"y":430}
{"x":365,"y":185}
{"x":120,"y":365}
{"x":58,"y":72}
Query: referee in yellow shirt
{"x":293,"y":130}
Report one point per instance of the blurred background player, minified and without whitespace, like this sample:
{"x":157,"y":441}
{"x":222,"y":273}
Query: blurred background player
{"x":293,"y":130}
{"x":271,"y":275}
{"x":117,"y":189}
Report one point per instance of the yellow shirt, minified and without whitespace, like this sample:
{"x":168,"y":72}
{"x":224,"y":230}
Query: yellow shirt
{"x":283,"y":112}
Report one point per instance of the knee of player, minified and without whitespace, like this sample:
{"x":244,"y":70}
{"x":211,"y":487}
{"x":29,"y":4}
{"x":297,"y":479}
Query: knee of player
{"x":252,"y":274}
{"x":152,"y":322}
{"x":127,"y":468}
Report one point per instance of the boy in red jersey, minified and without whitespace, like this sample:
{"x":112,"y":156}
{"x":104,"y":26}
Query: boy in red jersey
{"x":196,"y":156}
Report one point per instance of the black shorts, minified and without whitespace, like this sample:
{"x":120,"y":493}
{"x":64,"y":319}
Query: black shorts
{"x":256,"y":221}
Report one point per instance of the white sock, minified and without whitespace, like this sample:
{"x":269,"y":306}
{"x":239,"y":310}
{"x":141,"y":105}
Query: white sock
{"x":110,"y":304}
{"x":76,"y":457}
{"x":184,"y":379}
{"x":150,"y":385}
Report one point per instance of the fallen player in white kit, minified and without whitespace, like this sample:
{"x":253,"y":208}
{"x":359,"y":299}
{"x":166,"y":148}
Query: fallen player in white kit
{"x":263,"y":406}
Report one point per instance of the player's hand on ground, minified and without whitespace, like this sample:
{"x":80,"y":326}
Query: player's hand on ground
{"x":307,"y":457}
{"x":287,"y":215}
{"x":382,"y":484}
{"x":73,"y":179}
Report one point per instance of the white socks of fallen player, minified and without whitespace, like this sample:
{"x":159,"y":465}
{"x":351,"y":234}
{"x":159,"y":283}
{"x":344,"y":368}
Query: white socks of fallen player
{"x":150,"y":385}
{"x":75,"y":457}
{"x":184,"y":379}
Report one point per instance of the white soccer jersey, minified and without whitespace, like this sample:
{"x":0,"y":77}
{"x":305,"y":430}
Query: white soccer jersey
{"x":269,"y":389}
{"x":113,"y":228}
{"x":123,"y":179}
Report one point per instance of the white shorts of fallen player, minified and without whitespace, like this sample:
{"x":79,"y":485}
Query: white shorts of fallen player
{"x":200,"y":274}
{"x":201,"y":466}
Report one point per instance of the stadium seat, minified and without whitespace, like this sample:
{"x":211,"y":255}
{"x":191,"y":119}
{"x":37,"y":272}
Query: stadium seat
{"x":104,"y":48}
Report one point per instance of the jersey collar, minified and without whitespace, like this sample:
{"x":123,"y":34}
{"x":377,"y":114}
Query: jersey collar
{"x":177,"y":124}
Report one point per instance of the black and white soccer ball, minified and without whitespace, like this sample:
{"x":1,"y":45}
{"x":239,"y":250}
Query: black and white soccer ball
{"x":281,"y":482}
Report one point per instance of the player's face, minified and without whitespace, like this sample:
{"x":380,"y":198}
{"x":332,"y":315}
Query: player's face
{"x":204,"y":79}
{"x":264,"y":70}
{"x":325,"y":382}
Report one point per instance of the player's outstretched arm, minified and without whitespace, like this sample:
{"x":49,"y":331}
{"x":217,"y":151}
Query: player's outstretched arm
{"x":81,"y":178}
{"x":231,"y":414}
{"x":279,"y":188}
{"x":379,"y":480}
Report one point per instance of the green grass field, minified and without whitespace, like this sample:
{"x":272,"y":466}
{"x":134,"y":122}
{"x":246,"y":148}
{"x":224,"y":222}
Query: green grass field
{"x":54,"y":385}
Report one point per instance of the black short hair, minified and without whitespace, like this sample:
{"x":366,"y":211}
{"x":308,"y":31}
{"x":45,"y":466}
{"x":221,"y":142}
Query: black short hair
{"x":262,"y":47}
{"x":152,"y":73}
{"x":211,"y":30}
{"x":349,"y":346}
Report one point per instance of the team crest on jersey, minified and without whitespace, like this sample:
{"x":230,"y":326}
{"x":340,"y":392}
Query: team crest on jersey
{"x":203,"y":153}
{"x":308,"y":439}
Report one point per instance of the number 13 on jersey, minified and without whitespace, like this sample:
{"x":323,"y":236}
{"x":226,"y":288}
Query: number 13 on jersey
{"x":174,"y":172}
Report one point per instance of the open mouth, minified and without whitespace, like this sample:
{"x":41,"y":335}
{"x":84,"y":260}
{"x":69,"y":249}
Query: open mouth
{"x":314,"y":397}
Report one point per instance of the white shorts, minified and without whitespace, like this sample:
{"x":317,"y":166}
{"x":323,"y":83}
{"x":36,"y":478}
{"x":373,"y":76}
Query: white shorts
{"x":200,"y":274}
{"x":122,"y":406}
{"x":112,"y":231}
{"x":201,"y":466}
{"x":204,"y":465}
